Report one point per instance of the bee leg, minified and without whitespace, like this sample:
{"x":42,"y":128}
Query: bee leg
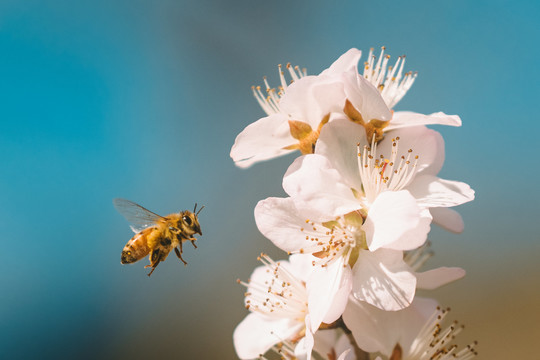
{"x":153,"y":268}
{"x":155,"y":259}
{"x":179,"y":254}
{"x":193,"y":242}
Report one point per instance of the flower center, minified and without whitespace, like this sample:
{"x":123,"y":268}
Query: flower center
{"x":338,"y":238}
{"x":306,"y":136}
{"x":382,"y":173}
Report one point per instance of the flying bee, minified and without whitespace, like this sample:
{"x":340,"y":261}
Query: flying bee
{"x":156,"y":235}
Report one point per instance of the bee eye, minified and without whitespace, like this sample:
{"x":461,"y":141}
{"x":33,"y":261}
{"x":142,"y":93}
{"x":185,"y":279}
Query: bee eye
{"x":187,"y":220}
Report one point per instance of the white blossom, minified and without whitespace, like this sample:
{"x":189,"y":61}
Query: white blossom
{"x":415,"y":333}
{"x":286,"y":304}
{"x":380,"y":277}
{"x":393,"y":183}
{"x":296,"y":114}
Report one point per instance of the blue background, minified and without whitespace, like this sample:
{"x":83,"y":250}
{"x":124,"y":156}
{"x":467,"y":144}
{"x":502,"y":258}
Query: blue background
{"x":143,"y":100}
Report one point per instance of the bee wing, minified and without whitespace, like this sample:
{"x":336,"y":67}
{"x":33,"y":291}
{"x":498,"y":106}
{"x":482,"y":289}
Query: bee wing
{"x":139,"y":217}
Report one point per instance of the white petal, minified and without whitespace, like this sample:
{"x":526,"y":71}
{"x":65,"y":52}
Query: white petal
{"x":395,"y":221}
{"x":448,"y":219}
{"x":345,"y":62}
{"x":280,"y":221}
{"x":311,"y":98}
{"x":383,"y":279}
{"x":325,"y":340}
{"x":412,"y":320}
{"x":262,"y":140}
{"x":379,"y":331}
{"x":431,"y":191}
{"x":365,"y":97}
{"x":305,"y":346}
{"x":435,"y":278}
{"x":256,"y":334}
{"x":300,"y":265}
{"x":407,"y":118}
{"x":318,"y":189}
{"x":328,"y":290}
{"x":344,"y":355}
{"x":333,"y":341}
{"x":368,"y":328}
{"x":416,"y":237}
{"x":344,"y":347}
{"x":338,"y":143}
{"x":426,"y":143}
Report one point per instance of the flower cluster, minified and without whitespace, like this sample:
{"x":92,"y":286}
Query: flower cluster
{"x":361,"y":200}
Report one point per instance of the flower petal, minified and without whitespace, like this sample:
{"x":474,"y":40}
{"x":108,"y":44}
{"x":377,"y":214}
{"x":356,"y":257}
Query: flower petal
{"x":448,"y":219}
{"x":325,"y":340}
{"x":435,"y":278}
{"x":407,"y":118}
{"x":344,"y":347}
{"x":368,"y":327}
{"x":345,"y":355}
{"x":328,"y":290}
{"x":426,"y":143}
{"x":379,"y":331}
{"x":304,"y":347}
{"x":365,"y":97}
{"x":383,"y":279}
{"x":262,"y":140}
{"x":318,"y":189}
{"x":396,"y":222}
{"x":311,"y":98}
{"x":333,"y":341}
{"x":256,"y":334}
{"x":338,"y":143}
{"x":345,"y":62}
{"x":301,"y":265}
{"x":431,"y":191}
{"x":279,"y":220}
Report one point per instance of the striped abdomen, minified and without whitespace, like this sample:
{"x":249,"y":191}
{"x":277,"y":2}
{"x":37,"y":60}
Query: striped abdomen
{"x":137,"y":247}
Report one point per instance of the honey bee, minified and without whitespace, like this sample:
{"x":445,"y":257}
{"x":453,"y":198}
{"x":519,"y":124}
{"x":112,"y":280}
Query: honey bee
{"x":156,"y":235}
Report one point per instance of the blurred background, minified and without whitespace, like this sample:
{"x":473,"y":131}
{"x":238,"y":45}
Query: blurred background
{"x":143,"y":100}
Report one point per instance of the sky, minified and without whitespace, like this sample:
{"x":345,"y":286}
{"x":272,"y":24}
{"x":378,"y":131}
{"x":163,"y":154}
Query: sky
{"x":143,"y":100}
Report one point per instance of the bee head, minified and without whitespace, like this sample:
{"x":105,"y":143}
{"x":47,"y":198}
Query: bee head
{"x":191,"y":222}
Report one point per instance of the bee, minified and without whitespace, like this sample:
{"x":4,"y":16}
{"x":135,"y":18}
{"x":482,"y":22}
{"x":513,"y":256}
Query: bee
{"x":156,"y":235}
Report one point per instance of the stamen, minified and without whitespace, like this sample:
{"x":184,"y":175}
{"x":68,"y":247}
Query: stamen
{"x":333,"y":240}
{"x":418,"y":257}
{"x":432,"y":343}
{"x":280,"y":294}
{"x":382,"y":174}
{"x":285,"y":349}
{"x":394,"y":85}
{"x":270,"y":102}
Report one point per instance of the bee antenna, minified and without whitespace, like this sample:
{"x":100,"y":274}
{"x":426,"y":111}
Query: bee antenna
{"x":198,"y":212}
{"x":195,"y":208}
